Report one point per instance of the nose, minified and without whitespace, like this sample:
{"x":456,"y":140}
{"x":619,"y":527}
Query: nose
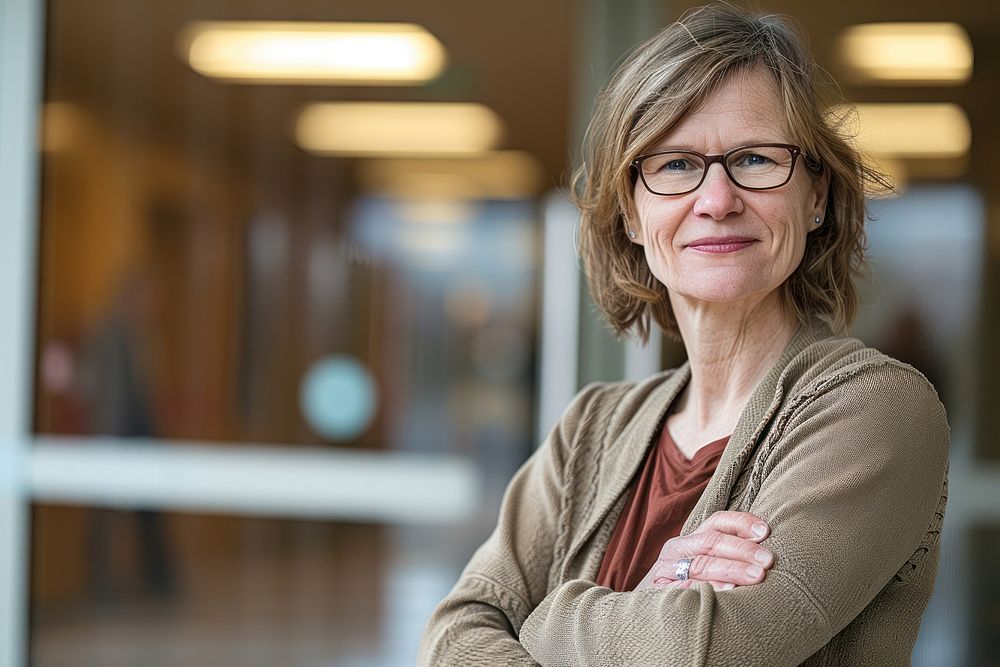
{"x":718,"y":196}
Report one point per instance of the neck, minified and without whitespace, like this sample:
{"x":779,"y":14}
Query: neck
{"x":730,"y":348}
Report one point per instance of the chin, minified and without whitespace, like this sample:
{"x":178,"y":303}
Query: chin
{"x":721,"y":295}
{"x":722,"y":288}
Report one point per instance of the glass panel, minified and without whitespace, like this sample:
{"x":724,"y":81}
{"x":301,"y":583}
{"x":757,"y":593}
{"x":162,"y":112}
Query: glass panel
{"x":985,"y":608}
{"x":921,"y":305}
{"x":197,"y":264}
{"x":921,"y":302}
{"x":204,"y":277}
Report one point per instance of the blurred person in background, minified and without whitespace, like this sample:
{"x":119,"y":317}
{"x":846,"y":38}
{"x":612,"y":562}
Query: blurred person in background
{"x":776,"y":500}
{"x":121,"y":365}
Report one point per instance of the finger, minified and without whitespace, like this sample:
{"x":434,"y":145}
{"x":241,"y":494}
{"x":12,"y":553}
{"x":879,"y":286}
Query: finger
{"x":709,"y":568}
{"x":742,"y":524}
{"x":720,"y":545}
{"x":722,"y":585}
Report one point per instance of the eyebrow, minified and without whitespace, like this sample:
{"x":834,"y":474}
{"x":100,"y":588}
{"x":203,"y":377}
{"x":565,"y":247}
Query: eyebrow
{"x":662,"y":147}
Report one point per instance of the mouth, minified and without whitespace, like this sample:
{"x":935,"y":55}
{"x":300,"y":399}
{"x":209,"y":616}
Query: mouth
{"x":721,"y":244}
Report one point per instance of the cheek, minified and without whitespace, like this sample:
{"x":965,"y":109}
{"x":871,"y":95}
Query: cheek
{"x":798,"y":222}
{"x":788,"y":237}
{"x":654,"y":219}
{"x":642,"y":205}
{"x":793,"y":243}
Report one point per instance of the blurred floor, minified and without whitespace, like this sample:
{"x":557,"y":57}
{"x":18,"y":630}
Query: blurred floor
{"x":295,"y":593}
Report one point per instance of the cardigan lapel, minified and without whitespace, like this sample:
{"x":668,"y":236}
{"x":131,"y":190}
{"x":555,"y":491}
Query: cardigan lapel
{"x":622,"y":454}
{"x":763,"y":406}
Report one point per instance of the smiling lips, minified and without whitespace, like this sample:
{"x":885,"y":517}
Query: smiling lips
{"x":721,"y":244}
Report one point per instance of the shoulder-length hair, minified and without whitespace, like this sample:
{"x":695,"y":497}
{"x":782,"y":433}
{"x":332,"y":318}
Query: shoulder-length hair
{"x":660,"y":82}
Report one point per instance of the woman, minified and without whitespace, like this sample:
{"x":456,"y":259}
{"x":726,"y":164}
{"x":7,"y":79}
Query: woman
{"x":719,"y":202}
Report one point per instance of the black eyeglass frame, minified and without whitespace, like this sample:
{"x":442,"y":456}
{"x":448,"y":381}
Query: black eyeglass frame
{"x":722,"y":159}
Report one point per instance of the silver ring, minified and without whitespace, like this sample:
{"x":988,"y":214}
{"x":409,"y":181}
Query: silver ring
{"x":683,"y":567}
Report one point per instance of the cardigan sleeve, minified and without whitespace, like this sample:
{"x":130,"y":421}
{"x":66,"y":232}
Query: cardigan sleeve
{"x":478,"y":622}
{"x":850,"y":490}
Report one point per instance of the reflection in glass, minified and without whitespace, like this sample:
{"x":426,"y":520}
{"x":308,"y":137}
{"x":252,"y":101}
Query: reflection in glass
{"x":920,"y":305}
{"x":196,"y":265}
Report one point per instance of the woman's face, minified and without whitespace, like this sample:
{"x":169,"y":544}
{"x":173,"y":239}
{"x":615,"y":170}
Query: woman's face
{"x":721,"y":243}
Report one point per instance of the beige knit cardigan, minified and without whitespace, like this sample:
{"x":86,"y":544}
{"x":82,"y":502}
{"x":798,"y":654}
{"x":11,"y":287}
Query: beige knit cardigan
{"x":841,"y":449}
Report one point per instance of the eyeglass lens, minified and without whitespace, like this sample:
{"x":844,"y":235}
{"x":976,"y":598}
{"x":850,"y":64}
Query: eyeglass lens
{"x":755,"y":167}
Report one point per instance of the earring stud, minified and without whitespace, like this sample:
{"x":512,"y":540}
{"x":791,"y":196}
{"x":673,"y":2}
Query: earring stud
{"x":817,"y":220}
{"x":631,"y":233}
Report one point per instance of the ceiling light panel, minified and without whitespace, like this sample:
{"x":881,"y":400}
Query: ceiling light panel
{"x":312,"y":52}
{"x":397,"y":128}
{"x":913,"y":131}
{"x":907,"y":53}
{"x":492,"y":175}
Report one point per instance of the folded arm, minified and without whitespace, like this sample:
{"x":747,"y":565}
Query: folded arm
{"x":478,"y":623}
{"x":850,"y":489}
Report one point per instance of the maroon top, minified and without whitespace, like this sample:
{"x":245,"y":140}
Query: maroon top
{"x":659,"y":501}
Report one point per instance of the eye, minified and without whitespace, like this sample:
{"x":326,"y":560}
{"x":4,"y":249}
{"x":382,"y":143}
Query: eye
{"x":677,"y":164}
{"x":753,"y":160}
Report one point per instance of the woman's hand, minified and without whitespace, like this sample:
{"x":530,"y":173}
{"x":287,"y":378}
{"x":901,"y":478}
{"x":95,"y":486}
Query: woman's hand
{"x":724,"y":551}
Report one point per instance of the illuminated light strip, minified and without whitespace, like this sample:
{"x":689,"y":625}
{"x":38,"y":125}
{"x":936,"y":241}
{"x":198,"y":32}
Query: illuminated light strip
{"x":910,"y":131}
{"x":397,"y":128}
{"x":907,"y":53}
{"x":312,"y":52}
{"x":253,"y":480}
{"x":490,"y":175}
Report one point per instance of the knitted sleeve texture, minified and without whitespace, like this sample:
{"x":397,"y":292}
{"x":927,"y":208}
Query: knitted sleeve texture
{"x":508,"y":576}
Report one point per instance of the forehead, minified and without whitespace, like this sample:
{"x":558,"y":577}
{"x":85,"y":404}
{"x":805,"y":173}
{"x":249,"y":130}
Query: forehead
{"x":746,"y":108}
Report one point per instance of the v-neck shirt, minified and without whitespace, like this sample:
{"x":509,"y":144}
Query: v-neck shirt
{"x":661,"y":497}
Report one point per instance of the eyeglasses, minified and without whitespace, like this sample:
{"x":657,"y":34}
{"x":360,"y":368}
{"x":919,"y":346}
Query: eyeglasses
{"x":756,"y":167}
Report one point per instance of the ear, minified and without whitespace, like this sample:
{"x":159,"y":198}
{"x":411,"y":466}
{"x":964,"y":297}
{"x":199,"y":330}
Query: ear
{"x":630,"y":221}
{"x":820,"y":193}
{"x":631,"y":227}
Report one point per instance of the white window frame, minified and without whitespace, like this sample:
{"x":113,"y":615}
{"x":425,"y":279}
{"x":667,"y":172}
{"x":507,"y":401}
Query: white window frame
{"x":20,"y":93}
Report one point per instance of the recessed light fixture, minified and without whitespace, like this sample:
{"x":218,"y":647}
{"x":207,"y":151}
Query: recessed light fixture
{"x":913,"y":131}
{"x":492,"y":175}
{"x":907,"y":53}
{"x":312,"y":52}
{"x":397,"y":128}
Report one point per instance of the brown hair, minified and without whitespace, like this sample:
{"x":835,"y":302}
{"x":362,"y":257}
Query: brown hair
{"x":661,"y":81}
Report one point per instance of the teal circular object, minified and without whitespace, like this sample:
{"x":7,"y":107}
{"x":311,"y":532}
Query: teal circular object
{"x":339,"y":397}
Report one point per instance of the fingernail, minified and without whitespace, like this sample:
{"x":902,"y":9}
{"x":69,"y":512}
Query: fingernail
{"x":759,"y":529}
{"x":755,"y":571}
{"x":762,"y":557}
{"x":728,"y":587}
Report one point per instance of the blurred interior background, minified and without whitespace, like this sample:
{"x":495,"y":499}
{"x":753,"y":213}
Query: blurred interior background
{"x":290,"y":292}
